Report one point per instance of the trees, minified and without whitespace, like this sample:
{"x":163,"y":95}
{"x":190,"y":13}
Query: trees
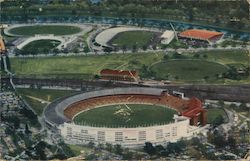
{"x":27,"y":131}
{"x":176,"y":148}
{"x":149,"y":148}
{"x":218,"y":120}
{"x":8,"y":63}
{"x":118,"y":149}
{"x":109,"y":147}
{"x":218,"y":140}
{"x":172,"y":148}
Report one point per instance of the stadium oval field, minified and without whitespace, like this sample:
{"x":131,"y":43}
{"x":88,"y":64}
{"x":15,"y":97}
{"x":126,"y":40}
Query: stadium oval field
{"x":32,"y":30}
{"x":187,"y":69}
{"x":126,"y":115}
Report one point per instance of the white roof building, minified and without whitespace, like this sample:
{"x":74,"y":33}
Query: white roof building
{"x":167,"y":37}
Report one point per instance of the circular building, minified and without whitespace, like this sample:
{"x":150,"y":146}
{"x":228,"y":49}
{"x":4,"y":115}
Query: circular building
{"x":126,"y":116}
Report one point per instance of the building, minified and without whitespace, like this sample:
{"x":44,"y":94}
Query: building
{"x":129,"y":137}
{"x":119,"y":75}
{"x":167,"y":37}
{"x":2,"y":46}
{"x":204,"y":35}
{"x":191,"y":117}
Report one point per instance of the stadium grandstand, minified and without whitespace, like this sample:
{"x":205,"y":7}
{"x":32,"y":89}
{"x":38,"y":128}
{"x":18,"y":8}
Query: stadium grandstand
{"x":205,"y":35}
{"x":190,"y":119}
{"x":119,"y":75}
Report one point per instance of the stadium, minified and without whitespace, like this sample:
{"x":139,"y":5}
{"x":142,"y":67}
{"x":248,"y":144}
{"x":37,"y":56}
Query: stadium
{"x":128,"y":126}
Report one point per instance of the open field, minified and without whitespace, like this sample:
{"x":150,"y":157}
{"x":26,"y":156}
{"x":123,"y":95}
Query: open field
{"x":228,"y":57}
{"x":45,"y":29}
{"x":39,"y":46}
{"x":80,"y":66}
{"x":213,"y":113}
{"x":149,"y":65}
{"x":42,"y":94}
{"x":187,"y":69}
{"x":77,"y":149}
{"x":130,"y":115}
{"x":129,"y":39}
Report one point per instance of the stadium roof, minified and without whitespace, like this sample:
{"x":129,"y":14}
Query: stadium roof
{"x":200,"y":34}
{"x":167,"y":34}
{"x":119,"y":72}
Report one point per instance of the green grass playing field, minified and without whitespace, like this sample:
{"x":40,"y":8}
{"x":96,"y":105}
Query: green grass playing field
{"x":131,"y":38}
{"x":43,"y":94}
{"x":130,"y":115}
{"x":45,"y":29}
{"x":187,"y":69}
{"x":40,"y":46}
{"x":181,"y":70}
{"x":213,"y":113}
{"x":80,"y":66}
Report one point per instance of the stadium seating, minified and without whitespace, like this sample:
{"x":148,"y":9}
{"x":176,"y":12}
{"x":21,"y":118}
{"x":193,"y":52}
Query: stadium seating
{"x":186,"y":107}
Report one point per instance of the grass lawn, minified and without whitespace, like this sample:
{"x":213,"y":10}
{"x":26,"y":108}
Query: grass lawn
{"x":213,"y":113}
{"x":43,"y":94}
{"x":187,"y":69}
{"x":76,"y":149}
{"x":227,"y":57}
{"x":45,"y":29}
{"x":149,"y":65}
{"x":131,"y":38}
{"x":39,"y":46}
{"x":80,"y":66}
{"x":131,"y":115}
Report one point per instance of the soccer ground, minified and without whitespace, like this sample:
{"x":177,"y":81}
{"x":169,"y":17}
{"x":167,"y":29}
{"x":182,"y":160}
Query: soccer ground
{"x":45,"y":29}
{"x":126,"y":115}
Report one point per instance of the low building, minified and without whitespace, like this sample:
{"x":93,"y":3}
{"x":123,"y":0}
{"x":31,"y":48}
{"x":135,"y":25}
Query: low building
{"x":2,"y":46}
{"x":119,"y":75}
{"x":205,"y":35}
{"x":167,"y":37}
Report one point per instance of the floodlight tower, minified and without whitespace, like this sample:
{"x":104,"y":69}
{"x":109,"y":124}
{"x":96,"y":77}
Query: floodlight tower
{"x":175,"y":33}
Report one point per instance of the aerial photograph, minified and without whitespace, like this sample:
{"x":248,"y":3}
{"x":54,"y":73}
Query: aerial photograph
{"x":124,"y":80}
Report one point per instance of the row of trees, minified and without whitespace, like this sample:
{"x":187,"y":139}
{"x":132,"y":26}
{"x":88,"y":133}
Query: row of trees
{"x":172,"y":148}
{"x":222,"y":13}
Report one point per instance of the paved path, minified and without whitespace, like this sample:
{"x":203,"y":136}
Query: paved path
{"x":131,"y":52}
{"x":39,"y":99}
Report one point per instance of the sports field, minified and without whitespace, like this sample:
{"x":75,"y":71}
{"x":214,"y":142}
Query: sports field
{"x":129,"y":115}
{"x":227,"y":56}
{"x":39,"y":47}
{"x":130,"y":39}
{"x":187,"y":69}
{"x":45,"y":29}
{"x":214,"y":113}
{"x":39,"y":98}
{"x":149,"y":65}
{"x":80,"y":66}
